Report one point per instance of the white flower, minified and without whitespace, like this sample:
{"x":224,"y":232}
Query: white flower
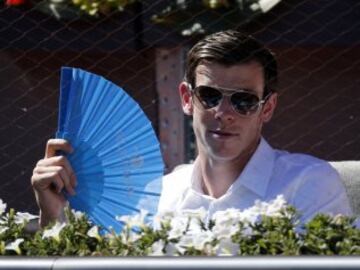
{"x":275,"y":206}
{"x":250,"y":215}
{"x":129,"y":236}
{"x":23,"y":217}
{"x":229,"y":214}
{"x":54,"y":232}
{"x":227,"y":222}
{"x":94,"y":233}
{"x":196,"y":240}
{"x":178,"y":227}
{"x":157,"y":248}
{"x":134,"y":236}
{"x":194,"y":226}
{"x":109,"y":235}
{"x":15,"y":245}
{"x":200,"y":213}
{"x":2,"y":207}
{"x":271,"y":208}
{"x":228,"y":225}
{"x":77,"y":214}
{"x":228,"y":217}
{"x":162,"y":218}
{"x":170,"y":250}
{"x":201,"y":239}
{"x":225,"y":231}
{"x":137,"y":220}
{"x":185,"y":242}
{"x":187,"y":220}
{"x":3,"y":229}
{"x":226,"y":248}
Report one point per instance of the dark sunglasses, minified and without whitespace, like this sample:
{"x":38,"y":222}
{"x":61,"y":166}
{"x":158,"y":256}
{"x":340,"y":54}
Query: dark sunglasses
{"x":242,"y":101}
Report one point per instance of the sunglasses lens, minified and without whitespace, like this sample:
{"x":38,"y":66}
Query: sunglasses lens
{"x":208,"y":96}
{"x":244,"y":103}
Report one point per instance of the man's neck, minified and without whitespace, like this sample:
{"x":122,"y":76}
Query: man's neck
{"x":218,"y":175}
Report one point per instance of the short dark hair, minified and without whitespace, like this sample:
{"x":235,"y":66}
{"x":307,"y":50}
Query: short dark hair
{"x":229,"y":48}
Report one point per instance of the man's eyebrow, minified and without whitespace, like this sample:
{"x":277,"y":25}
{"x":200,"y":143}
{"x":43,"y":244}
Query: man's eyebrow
{"x":237,"y":88}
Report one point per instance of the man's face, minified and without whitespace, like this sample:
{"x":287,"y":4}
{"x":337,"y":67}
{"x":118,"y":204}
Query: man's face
{"x":222,"y":133}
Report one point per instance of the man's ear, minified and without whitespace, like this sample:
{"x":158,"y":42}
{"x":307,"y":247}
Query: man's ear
{"x":269,"y":107}
{"x":186,"y":99}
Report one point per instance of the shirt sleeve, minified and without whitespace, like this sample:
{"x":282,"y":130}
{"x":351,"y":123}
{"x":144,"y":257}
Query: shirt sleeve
{"x":320,"y":190}
{"x":166,"y":203}
{"x":173,"y":187}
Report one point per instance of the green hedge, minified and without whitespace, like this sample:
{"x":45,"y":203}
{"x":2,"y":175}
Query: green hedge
{"x":264,"y":229}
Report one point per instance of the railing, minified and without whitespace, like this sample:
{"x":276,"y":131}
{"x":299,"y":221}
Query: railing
{"x":136,"y":263}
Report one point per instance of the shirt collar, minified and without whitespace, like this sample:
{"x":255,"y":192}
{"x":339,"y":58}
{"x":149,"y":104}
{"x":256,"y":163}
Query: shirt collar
{"x":196,"y":178}
{"x":256,"y":174}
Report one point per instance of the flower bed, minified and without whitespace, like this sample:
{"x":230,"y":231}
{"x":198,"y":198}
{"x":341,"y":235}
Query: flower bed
{"x":264,"y":229}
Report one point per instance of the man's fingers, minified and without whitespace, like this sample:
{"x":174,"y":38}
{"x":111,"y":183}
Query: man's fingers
{"x":73,"y":180}
{"x":54,"y":145}
{"x":67,"y":182}
{"x":46,"y":177}
{"x":59,"y":161}
{"x":48,"y":180}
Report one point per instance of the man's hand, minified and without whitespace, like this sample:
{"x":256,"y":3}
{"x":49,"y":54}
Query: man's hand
{"x":50,"y":176}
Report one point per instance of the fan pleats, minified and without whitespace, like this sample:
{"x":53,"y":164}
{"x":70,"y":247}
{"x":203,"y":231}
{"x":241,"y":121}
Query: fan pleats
{"x":117,"y":158}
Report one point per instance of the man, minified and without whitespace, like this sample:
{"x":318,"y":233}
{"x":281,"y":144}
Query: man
{"x":230,"y":91}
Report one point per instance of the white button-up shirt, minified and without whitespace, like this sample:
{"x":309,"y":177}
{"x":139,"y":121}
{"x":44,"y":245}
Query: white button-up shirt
{"x":308,"y":183}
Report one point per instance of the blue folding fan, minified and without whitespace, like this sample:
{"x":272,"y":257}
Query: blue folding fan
{"x":117,"y":158}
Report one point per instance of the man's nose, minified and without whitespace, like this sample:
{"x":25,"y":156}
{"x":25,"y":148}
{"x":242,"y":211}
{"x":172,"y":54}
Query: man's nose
{"x":224,"y":110}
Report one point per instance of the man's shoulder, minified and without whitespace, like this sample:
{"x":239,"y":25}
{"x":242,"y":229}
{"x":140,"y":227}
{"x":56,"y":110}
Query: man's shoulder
{"x":181,"y":173}
{"x":178,"y":179}
{"x":311,"y":184}
{"x":301,"y":162}
{"x":290,"y":162}
{"x":299,"y":171}
{"x":174,"y":185}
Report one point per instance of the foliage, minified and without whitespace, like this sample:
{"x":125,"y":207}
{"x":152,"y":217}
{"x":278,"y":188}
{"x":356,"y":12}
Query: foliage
{"x":94,"y":7}
{"x":264,"y":229}
{"x":186,"y":16}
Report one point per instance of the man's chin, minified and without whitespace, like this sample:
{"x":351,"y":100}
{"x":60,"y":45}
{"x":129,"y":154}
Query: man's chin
{"x":223,"y":155}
